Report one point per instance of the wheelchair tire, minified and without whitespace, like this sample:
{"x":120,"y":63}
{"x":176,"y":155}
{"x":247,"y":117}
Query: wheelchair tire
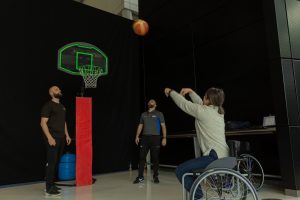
{"x":252,"y":169}
{"x":223,"y":183}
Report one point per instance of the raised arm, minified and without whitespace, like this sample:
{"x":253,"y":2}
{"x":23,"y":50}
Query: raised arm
{"x":195,"y":98}
{"x":188,"y":107}
{"x":193,"y":95}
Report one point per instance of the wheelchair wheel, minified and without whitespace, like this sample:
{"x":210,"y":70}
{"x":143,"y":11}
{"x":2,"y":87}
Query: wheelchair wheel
{"x":252,"y":169}
{"x":221,"y":184}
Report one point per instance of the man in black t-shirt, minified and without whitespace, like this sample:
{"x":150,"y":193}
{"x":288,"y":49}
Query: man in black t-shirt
{"x":53,"y":123}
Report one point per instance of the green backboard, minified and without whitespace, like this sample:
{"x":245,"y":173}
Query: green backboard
{"x":75,"y":55}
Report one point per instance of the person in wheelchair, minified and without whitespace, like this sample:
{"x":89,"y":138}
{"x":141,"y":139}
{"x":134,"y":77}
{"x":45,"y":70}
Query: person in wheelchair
{"x":209,"y":125}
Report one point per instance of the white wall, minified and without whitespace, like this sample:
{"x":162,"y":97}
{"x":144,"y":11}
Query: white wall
{"x":113,"y":6}
{"x":132,"y":5}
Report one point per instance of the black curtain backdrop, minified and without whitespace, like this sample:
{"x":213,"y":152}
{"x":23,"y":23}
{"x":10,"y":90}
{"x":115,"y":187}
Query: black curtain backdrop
{"x":201,"y":44}
{"x":32,"y":32}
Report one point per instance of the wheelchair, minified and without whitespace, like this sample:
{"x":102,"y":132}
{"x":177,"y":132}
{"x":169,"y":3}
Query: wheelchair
{"x":232,"y":178}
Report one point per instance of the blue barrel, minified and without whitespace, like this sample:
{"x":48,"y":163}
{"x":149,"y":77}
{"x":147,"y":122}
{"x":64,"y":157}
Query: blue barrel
{"x":67,"y":167}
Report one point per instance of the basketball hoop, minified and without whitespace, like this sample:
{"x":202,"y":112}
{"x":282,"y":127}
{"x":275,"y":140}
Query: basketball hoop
{"x":90,"y":75}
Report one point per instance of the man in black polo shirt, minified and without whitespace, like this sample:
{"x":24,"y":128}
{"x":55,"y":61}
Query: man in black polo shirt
{"x":53,"y":123}
{"x":151,"y":123}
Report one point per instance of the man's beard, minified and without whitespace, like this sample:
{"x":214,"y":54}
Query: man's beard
{"x":58,"y":95}
{"x":150,"y":106}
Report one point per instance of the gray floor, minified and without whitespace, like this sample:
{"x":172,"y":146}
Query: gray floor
{"x":117,"y":186}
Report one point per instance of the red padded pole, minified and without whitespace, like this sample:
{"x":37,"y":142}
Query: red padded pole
{"x":84,"y":151}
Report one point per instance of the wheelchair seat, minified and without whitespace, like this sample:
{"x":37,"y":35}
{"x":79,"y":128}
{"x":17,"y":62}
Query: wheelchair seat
{"x":226,"y":162}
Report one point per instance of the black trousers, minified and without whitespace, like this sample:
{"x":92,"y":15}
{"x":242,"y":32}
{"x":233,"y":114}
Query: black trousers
{"x":53,"y":155}
{"x":151,"y":142}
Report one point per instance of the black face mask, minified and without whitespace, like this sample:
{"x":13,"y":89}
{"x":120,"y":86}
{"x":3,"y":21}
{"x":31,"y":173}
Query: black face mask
{"x":58,"y":96}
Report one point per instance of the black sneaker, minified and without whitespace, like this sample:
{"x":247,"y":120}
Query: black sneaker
{"x":57,"y":188}
{"x":155,"y":179}
{"x":52,"y":192}
{"x":138,"y":180}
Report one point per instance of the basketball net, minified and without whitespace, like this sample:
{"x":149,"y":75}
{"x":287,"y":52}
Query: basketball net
{"x":90,"y":75}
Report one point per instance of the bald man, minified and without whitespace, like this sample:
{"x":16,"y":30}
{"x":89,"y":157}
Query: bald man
{"x":151,"y":123}
{"x":54,"y":126}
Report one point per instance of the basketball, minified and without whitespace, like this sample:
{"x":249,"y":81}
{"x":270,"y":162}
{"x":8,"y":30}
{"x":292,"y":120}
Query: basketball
{"x":140,"y":27}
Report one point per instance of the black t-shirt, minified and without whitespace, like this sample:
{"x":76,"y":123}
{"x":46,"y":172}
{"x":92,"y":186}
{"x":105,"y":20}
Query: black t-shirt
{"x":56,"y":114}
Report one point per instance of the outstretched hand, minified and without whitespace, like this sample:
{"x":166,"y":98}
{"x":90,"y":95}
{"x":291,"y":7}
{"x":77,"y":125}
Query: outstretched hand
{"x":185,"y":91}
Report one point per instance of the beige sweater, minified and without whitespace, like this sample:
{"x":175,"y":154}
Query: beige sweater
{"x":210,"y":126}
